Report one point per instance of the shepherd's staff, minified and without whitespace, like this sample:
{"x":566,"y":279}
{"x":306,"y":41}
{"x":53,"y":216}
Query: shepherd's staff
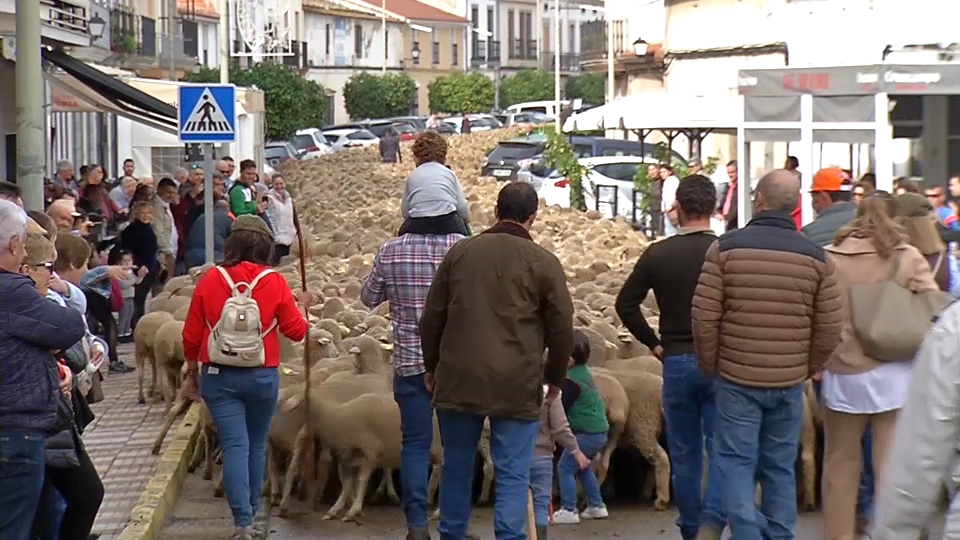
{"x":302,"y":255}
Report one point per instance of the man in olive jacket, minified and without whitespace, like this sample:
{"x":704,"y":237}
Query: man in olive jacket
{"x":497,"y":300}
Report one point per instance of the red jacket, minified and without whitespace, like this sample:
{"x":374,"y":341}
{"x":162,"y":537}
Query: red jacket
{"x":797,"y":214}
{"x":272,"y":293}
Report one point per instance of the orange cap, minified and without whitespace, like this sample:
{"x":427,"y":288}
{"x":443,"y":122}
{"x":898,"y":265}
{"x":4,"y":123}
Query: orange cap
{"x":832,"y":179}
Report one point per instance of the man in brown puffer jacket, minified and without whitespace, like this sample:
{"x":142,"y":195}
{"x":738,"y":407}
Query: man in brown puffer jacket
{"x":767,"y":313}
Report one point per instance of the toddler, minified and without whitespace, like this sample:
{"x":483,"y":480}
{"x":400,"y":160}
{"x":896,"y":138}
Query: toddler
{"x":554,"y":430}
{"x":588,"y":421}
{"x":128,"y":285}
{"x":433,"y":201}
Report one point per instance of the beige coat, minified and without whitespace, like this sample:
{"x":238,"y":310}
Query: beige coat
{"x":162,"y":226}
{"x":858,"y":263}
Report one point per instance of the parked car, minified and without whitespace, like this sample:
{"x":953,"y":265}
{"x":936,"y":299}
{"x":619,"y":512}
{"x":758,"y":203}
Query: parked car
{"x":276,"y":153}
{"x":512,"y":156}
{"x":312,"y":143}
{"x":344,"y":138}
{"x":478,"y":122}
{"x":525,"y":119}
{"x":608,"y":186}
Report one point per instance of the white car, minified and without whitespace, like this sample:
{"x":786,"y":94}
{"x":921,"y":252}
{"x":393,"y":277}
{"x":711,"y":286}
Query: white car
{"x":608,"y":184}
{"x":342,"y":139}
{"x":478,"y":122}
{"x":312,"y":143}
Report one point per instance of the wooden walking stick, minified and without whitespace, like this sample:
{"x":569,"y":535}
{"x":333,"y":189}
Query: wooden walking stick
{"x":531,"y":517}
{"x":302,"y":255}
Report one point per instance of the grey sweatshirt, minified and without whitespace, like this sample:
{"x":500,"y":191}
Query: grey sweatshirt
{"x":554,"y":429}
{"x":433,"y":190}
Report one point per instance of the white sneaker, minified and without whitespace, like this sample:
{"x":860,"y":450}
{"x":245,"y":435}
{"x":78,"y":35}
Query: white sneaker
{"x":566,"y":517}
{"x":595,"y":512}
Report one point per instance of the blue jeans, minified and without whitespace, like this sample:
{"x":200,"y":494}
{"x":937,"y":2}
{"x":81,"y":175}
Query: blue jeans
{"x":690,"y":409}
{"x":568,"y":471}
{"x":541,"y":482}
{"x":21,"y":481}
{"x":865,"y":493}
{"x":416,"y":427}
{"x":758,"y":437}
{"x":241,"y":403}
{"x":58,"y":507}
{"x":511,"y":448}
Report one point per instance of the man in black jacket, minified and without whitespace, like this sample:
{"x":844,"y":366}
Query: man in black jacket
{"x":30,"y":327}
{"x":671,"y":267}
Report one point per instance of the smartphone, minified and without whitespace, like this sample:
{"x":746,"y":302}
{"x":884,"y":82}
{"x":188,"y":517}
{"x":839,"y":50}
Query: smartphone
{"x":264,"y":198}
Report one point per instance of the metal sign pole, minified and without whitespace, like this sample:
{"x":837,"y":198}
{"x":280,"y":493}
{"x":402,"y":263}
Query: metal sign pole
{"x":208,"y":201}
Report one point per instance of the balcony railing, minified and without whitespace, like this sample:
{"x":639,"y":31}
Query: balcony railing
{"x":435,"y":53}
{"x":486,"y":52}
{"x":569,"y":62}
{"x":132,"y":34}
{"x":523,"y":49}
{"x":593,"y":39}
{"x":65,"y":15}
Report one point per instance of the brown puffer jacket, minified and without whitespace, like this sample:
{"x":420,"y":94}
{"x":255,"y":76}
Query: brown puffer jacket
{"x":767,"y":311}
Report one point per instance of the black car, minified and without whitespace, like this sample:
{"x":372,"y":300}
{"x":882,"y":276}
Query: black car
{"x":509,"y":157}
{"x":275,"y":153}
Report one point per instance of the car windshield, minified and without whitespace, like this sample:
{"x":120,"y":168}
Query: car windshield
{"x":361,"y":135}
{"x":378,"y":129}
{"x":484,"y":122}
{"x":303,"y":141}
{"x":514,"y":151}
{"x":276,"y":151}
{"x":404,"y":128}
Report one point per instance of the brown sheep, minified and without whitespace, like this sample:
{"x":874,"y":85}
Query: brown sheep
{"x":144,"y":338}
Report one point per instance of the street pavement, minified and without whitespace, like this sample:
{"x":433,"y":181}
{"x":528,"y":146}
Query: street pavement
{"x":119,"y":442}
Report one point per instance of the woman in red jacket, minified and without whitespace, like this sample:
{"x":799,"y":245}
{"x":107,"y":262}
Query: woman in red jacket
{"x":240,"y":387}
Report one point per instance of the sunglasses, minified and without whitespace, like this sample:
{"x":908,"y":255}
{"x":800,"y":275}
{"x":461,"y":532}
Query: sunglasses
{"x":47,"y":265}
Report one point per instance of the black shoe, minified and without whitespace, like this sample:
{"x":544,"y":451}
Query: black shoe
{"x":120,"y":368}
{"x":125,"y":339}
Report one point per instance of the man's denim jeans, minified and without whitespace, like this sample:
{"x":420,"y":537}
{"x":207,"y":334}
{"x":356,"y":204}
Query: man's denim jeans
{"x":58,"y":507}
{"x":758,"y":436}
{"x":690,"y":409}
{"x":416,"y":427}
{"x":568,"y":471}
{"x":21,"y":480}
{"x":511,"y":447}
{"x":541,"y":482}
{"x":865,"y":493}
{"x":241,"y":403}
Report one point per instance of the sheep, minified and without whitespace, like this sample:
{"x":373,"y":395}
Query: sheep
{"x":168,"y":353}
{"x":181,"y":313}
{"x":174,"y":284}
{"x":617,"y":405}
{"x":144,"y":341}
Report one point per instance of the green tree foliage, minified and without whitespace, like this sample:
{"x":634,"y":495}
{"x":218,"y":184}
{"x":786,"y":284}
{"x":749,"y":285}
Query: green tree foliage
{"x":458,"y":93}
{"x":587,"y":86}
{"x":526,"y":85}
{"x":292,"y":102}
{"x":379,"y":96}
{"x":560,"y":156}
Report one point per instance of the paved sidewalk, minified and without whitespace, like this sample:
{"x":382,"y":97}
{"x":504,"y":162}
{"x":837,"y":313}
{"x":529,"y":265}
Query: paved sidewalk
{"x":119,"y":442}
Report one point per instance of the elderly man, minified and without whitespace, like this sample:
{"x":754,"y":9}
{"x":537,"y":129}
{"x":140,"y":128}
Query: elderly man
{"x":146,"y":180}
{"x":123,"y":193}
{"x":64,"y":214}
{"x":164,"y":226}
{"x":695,"y":166}
{"x":767,"y":313}
{"x":30,"y":329}
{"x":497,"y":301}
{"x":181,"y":176}
{"x":66,"y":176}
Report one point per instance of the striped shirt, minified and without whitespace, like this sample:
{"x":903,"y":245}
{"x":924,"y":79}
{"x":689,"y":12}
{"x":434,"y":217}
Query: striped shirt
{"x":402,"y":272}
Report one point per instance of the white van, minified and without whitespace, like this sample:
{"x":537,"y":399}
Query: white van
{"x":548,"y":108}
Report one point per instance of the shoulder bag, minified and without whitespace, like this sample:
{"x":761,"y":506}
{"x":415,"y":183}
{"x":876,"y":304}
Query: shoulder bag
{"x":890,"y":320}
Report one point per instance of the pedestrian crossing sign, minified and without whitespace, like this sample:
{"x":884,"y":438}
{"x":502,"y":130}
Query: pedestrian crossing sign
{"x":207,"y":113}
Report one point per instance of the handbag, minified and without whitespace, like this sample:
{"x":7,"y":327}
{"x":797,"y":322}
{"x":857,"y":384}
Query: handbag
{"x":890,"y":320}
{"x":65,"y":416}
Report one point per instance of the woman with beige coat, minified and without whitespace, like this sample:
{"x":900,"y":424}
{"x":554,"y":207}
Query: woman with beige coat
{"x":915,"y":214}
{"x":859,"y":390}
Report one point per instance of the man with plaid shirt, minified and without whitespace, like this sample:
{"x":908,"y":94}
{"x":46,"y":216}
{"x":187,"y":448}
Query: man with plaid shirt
{"x":402,"y":273}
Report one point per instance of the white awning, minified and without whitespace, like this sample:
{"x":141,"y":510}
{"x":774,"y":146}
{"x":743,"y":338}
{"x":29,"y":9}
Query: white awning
{"x":662,"y":111}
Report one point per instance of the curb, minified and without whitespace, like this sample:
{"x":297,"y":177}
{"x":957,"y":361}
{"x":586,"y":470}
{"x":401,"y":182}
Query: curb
{"x":161,"y":492}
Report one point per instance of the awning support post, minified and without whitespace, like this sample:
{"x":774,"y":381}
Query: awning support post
{"x":29,"y":87}
{"x":208,"y":202}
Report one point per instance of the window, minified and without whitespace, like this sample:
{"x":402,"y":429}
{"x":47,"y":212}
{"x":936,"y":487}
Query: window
{"x":164,"y":159}
{"x":327,"y":43}
{"x":475,"y":16}
{"x":510,"y":32}
{"x":361,"y":135}
{"x":434,"y":47}
{"x":358,"y":41}
{"x":490,"y":22}
{"x":572,"y":38}
{"x":454,"y":48}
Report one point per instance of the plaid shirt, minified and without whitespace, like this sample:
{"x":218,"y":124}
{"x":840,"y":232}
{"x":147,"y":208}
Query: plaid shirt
{"x":402,"y":272}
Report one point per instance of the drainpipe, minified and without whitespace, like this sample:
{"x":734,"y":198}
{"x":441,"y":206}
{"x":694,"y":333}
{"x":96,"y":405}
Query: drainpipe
{"x":29,"y":87}
{"x":223,"y":31}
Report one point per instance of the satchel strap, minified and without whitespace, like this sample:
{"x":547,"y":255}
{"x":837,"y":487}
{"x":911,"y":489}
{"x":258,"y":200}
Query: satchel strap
{"x":936,"y":267}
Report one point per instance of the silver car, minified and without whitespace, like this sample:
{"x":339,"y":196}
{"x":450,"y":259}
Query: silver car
{"x":342,"y":139}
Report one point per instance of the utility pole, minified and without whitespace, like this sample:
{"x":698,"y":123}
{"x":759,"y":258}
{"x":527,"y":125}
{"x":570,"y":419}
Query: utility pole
{"x":383,"y":30}
{"x":29,"y":88}
{"x":539,"y":23}
{"x":611,"y":52}
{"x":556,"y":63}
{"x":172,"y":38}
{"x":224,"y":34}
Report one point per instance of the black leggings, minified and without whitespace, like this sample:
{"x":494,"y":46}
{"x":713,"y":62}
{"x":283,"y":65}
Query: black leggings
{"x":140,"y":292}
{"x":99,"y":308}
{"x":445,"y":224}
{"x":279,"y":251}
{"x":82,"y":490}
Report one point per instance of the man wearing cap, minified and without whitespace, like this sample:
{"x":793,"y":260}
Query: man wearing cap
{"x":831,"y":193}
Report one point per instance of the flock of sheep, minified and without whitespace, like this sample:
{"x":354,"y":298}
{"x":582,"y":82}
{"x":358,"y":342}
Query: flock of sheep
{"x":349,"y":205}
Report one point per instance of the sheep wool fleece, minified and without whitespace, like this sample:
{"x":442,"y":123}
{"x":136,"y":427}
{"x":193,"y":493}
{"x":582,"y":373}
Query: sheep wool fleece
{"x":587,"y":414}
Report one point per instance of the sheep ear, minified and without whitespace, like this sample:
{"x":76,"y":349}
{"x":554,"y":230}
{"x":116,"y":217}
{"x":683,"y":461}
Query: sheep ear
{"x":324,"y":341}
{"x":609,"y":345}
{"x":624,"y":338}
{"x":344,"y":331}
{"x":386,"y":346}
{"x":292,"y":403}
{"x":354,"y":350}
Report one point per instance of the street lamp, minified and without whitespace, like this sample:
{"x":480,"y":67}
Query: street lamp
{"x":415,"y":51}
{"x":640,"y":47}
{"x":97,"y":26}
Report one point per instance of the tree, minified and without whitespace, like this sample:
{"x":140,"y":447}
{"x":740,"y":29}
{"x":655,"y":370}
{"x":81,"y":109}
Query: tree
{"x":383,"y":96}
{"x":292,"y":102}
{"x":560,"y":155}
{"x":460,"y":94}
{"x":587,"y":86}
{"x":526,"y":85}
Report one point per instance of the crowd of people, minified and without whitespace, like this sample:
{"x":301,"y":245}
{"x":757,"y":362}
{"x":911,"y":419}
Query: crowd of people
{"x":96,"y":252}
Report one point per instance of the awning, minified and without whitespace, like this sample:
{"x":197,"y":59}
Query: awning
{"x":662,"y":111}
{"x":129,"y":101}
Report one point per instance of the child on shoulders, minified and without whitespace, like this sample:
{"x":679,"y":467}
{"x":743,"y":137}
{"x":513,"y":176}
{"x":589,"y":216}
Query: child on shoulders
{"x":433,"y":201}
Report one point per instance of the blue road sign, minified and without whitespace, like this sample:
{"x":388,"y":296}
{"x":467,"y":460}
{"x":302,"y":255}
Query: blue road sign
{"x":207,"y":113}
